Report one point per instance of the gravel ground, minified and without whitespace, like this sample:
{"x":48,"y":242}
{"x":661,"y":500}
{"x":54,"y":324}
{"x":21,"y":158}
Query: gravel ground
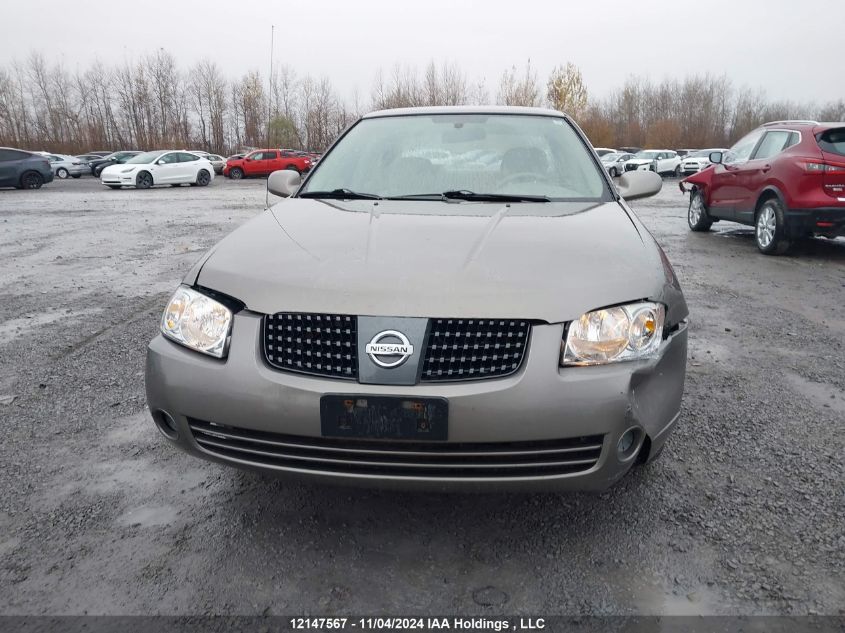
{"x":743,"y":514}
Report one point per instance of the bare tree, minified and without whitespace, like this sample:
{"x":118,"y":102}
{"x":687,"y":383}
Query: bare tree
{"x":516,"y":90}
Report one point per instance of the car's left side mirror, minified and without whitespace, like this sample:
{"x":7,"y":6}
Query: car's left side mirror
{"x":637,"y":184}
{"x":283,"y":183}
{"x":716,"y":158}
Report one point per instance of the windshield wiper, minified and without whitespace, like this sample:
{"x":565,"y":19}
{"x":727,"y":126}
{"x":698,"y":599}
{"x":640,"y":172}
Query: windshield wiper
{"x":340,"y":194}
{"x":464,"y":194}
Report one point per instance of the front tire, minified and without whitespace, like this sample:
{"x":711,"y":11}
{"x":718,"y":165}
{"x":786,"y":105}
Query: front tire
{"x":613,"y":172}
{"x":62,"y":173}
{"x":697,"y":217}
{"x":144,"y":180}
{"x":677,"y":171}
{"x":236,"y":173}
{"x":770,"y":228}
{"x":293,"y":168}
{"x":203,"y":178}
{"x":32,"y":180}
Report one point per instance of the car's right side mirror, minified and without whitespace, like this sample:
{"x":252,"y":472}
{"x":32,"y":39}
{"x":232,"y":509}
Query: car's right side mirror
{"x":716,"y":158}
{"x":637,"y":184}
{"x":284,"y":182}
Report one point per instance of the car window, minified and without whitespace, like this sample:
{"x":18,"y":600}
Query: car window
{"x":832,"y":141}
{"x":741,"y":151}
{"x":773,"y":143}
{"x":170,"y":159}
{"x":484,"y":153}
{"x":10,"y":154}
{"x":270,"y":155}
{"x":184,"y":157}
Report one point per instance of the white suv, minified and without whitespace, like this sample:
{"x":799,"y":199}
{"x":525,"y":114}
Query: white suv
{"x":663,"y":161}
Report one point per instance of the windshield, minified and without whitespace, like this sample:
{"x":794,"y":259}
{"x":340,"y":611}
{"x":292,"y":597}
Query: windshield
{"x":496,"y":154}
{"x":144,"y":159}
{"x":612,"y":157}
{"x":702,"y":153}
{"x":646,"y":154}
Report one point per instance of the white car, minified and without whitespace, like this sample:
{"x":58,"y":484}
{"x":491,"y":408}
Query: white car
{"x":614,"y":162}
{"x":663,"y":161}
{"x":694,"y":162}
{"x":601,"y":151}
{"x":159,"y":168}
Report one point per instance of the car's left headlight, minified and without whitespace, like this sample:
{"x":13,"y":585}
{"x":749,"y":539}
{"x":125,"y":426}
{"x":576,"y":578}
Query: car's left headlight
{"x":197,"y":321}
{"x":610,"y":335}
{"x":127,"y":170}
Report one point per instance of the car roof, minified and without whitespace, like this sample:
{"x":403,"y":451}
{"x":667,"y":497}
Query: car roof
{"x":463,"y":110}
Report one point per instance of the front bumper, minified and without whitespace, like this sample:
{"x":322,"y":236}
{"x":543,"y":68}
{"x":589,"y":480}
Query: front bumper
{"x":541,"y":402}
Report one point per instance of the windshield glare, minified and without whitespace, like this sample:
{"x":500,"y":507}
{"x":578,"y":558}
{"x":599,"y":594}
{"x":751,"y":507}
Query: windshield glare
{"x":144,"y":159}
{"x":503,"y":154}
{"x":647,"y":154}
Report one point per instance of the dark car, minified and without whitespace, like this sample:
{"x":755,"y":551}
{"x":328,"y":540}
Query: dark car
{"x":115,"y":158}
{"x":23,"y":170}
{"x":786,"y":179}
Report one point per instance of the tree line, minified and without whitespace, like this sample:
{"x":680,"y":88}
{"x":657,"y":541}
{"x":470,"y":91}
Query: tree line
{"x":154,"y":103}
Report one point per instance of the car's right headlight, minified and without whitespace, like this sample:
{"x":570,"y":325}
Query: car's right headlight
{"x":610,"y":335}
{"x":197,"y":321}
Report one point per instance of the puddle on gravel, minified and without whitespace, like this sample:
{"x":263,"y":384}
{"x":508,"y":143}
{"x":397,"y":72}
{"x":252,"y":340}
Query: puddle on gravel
{"x":149,"y":516}
{"x":821,"y":393}
{"x":11,"y":329}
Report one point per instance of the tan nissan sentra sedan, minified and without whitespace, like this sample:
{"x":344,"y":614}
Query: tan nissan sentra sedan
{"x":453,"y":298}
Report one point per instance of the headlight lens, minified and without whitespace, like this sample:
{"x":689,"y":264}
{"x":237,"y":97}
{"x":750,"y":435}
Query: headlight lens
{"x":197,"y":321}
{"x":127,"y":170}
{"x":611,"y":335}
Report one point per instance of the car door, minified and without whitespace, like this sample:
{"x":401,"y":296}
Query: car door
{"x":273,"y":162}
{"x":188,"y":167}
{"x":754,"y":174}
{"x":167,"y":169}
{"x":9,"y":167}
{"x":725,"y":188}
{"x":254,"y":164}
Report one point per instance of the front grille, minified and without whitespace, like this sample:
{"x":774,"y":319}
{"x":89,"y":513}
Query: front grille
{"x":427,"y":460}
{"x":457,"y":349}
{"x":319,"y":344}
{"x":469,"y":349}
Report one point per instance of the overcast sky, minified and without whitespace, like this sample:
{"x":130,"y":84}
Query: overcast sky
{"x":782,"y":46}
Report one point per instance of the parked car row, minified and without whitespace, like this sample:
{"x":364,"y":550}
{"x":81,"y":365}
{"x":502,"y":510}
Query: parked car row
{"x":30,"y":170}
{"x":662,"y":161}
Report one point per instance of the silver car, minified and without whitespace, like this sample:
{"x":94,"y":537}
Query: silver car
{"x":396,"y":322}
{"x":64,"y":166}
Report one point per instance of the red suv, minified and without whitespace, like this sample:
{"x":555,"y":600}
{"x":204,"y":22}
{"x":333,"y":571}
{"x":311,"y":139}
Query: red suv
{"x":263,"y":162}
{"x":787,"y":179}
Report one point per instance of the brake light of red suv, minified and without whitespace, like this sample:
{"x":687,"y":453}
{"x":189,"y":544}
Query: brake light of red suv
{"x":832,"y":144}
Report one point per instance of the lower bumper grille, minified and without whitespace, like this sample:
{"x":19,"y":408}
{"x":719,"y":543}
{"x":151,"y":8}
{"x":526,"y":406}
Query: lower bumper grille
{"x":399,"y":459}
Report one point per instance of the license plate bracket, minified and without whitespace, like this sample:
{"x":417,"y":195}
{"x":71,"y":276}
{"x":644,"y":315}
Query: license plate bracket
{"x":384,"y":417}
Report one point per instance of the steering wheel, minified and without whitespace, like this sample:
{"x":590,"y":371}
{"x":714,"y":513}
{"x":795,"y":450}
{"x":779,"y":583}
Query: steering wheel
{"x":521,"y":176}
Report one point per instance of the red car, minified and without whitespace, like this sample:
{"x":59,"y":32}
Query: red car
{"x":786,"y":179}
{"x":263,"y":162}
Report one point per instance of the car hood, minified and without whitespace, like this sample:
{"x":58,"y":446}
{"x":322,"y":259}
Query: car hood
{"x":641,"y":161}
{"x":436,"y":259}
